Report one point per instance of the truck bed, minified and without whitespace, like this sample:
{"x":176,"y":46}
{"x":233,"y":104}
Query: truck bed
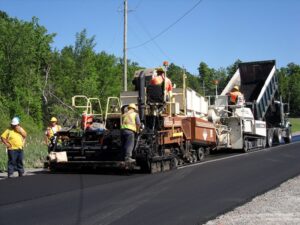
{"x":259,"y":84}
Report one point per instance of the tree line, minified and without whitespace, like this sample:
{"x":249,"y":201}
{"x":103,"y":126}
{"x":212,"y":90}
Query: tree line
{"x":37,"y":81}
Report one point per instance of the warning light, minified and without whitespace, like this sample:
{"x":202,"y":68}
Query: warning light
{"x":215,"y":82}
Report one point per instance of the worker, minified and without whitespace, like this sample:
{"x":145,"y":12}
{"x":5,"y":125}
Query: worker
{"x":129,"y":128}
{"x":14,"y":140}
{"x":160,"y":78}
{"x":86,"y":120}
{"x":236,"y":97}
{"x":97,"y":126}
{"x":50,"y":132}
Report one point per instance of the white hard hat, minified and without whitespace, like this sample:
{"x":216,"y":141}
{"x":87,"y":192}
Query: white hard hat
{"x":15,"y":121}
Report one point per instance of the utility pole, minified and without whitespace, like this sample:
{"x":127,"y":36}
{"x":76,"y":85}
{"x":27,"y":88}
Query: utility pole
{"x":125,"y":47}
{"x":203,"y":87}
{"x":184,"y":90}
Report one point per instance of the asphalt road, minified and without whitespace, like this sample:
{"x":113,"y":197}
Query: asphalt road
{"x":191,"y":195}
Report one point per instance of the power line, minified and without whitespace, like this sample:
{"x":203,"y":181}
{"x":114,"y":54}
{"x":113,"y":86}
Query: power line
{"x":169,"y":27}
{"x":140,"y":60}
{"x":132,"y":31}
{"x":150,"y":36}
{"x":112,"y":42}
{"x":138,"y":4}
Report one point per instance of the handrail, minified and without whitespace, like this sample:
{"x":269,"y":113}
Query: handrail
{"x":88,"y":106}
{"x":80,"y":106}
{"x":107,"y":108}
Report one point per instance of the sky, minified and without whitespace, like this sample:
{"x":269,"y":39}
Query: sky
{"x":217,"y":32}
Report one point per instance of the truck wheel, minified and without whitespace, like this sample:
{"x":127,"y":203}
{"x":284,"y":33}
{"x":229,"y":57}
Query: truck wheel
{"x":200,"y":154}
{"x":270,"y":138}
{"x":278,"y":136}
{"x":263,"y":143}
{"x":288,"y":138}
{"x":246,"y":146}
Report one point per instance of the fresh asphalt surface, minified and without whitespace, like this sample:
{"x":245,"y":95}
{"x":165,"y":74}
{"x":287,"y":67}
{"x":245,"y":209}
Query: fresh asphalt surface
{"x":190,"y":195}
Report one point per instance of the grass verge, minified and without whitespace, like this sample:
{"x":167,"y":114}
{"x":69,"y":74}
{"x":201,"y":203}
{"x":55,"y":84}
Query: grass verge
{"x":35,"y":152}
{"x":295,"y":124}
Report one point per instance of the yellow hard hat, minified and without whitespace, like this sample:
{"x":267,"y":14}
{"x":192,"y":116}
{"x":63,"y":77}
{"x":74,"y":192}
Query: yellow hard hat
{"x":53,"y":119}
{"x":236,"y":87}
{"x":132,"y":106}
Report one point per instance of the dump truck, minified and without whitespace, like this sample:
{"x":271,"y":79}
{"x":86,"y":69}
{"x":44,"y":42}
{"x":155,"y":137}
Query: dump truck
{"x":258,"y":82}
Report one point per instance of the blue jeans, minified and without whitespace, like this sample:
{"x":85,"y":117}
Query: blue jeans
{"x":15,"y":162}
{"x":127,"y":139}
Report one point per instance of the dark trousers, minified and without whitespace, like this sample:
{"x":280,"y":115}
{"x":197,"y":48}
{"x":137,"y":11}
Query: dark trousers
{"x":127,"y":139}
{"x":15,"y":162}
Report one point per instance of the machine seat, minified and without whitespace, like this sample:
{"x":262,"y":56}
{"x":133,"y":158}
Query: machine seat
{"x":155,"y":95}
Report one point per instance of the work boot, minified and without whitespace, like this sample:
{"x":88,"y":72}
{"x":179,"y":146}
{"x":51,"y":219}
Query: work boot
{"x":129,"y":159}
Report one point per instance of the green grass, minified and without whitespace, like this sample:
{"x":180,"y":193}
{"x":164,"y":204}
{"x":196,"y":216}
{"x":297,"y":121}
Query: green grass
{"x":35,"y":152}
{"x":295,"y":124}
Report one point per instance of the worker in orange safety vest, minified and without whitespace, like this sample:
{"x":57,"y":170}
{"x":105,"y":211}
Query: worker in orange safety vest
{"x":236,"y":97}
{"x":160,"y":78}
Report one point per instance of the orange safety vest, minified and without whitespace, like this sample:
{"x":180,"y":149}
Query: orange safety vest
{"x":86,"y":120}
{"x":128,"y":121}
{"x":234,"y":96}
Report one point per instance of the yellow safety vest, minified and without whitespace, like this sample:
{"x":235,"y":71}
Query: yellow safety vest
{"x":50,"y":132}
{"x":128,"y":121}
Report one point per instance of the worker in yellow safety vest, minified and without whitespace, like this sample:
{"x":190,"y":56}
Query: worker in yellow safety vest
{"x":236,"y":97}
{"x":50,"y":132}
{"x":14,"y":140}
{"x":130,"y":127}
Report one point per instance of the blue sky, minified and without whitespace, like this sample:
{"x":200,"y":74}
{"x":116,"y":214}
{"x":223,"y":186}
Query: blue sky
{"x":217,"y":31}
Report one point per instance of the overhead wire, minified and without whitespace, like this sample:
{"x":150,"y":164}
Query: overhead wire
{"x":115,"y":33}
{"x":139,"y":59}
{"x":120,"y":6}
{"x":132,"y":31}
{"x":150,"y":36}
{"x":138,"y":4}
{"x":168,"y":27}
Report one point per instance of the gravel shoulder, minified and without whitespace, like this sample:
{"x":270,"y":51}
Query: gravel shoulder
{"x":296,"y":133}
{"x":280,"y":206}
